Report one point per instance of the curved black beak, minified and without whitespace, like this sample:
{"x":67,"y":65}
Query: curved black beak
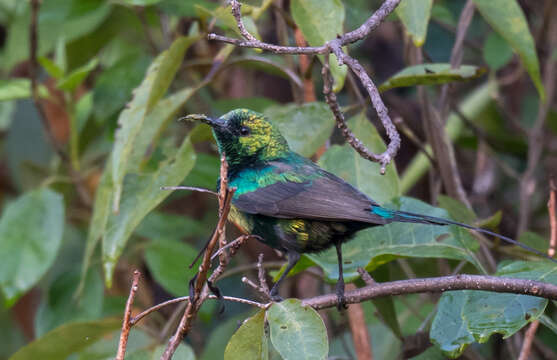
{"x":214,"y":123}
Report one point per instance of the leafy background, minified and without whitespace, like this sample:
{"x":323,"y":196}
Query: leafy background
{"x":115,"y":76}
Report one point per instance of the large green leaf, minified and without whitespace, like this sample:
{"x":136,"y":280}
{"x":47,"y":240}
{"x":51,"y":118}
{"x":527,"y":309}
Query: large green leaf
{"x":158,"y":225}
{"x":306,"y":127}
{"x":431,"y":74}
{"x":375,"y":246}
{"x":321,"y":21}
{"x":249,"y":341}
{"x":467,"y":316}
{"x":66,"y":340}
{"x":114,"y":84}
{"x":131,"y":120}
{"x":76,"y":77}
{"x":414,"y":15}
{"x":365,"y":175}
{"x":18,"y":88}
{"x":59,"y":306}
{"x":31,"y":230}
{"x":496,"y":51}
{"x":506,"y":17}
{"x":141,"y":195}
{"x":156,"y":121}
{"x":168,"y":262}
{"x":297,"y":332}
{"x":68,"y":19}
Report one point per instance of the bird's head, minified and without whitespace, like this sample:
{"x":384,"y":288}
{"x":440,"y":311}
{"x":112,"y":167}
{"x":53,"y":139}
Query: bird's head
{"x":247,"y":137}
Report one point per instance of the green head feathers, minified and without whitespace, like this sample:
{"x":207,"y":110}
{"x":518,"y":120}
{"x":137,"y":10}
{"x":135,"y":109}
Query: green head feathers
{"x":247,"y":137}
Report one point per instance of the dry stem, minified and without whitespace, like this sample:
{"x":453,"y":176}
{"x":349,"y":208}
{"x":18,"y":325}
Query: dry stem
{"x":126,"y":323}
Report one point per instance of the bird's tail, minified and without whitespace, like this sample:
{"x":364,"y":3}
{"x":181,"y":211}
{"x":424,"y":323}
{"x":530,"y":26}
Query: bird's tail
{"x":403,"y":216}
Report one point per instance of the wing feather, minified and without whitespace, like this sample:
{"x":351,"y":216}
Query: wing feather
{"x":323,"y":196}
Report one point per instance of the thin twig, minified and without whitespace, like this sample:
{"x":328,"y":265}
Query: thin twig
{"x":335,"y":46}
{"x":225,"y":198}
{"x":190,"y":188}
{"x":366,"y":277}
{"x":126,"y":323}
{"x":552,"y":208}
{"x":530,"y":334}
{"x":535,"y":136}
{"x":436,"y":285}
{"x":157,"y":307}
{"x":261,"y":275}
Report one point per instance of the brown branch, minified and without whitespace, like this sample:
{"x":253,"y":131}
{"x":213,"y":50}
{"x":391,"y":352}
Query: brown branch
{"x":535,"y":136}
{"x":380,"y":108}
{"x":358,"y":328}
{"x":335,"y":46}
{"x":126,"y":323}
{"x":358,"y":34}
{"x":225,"y":198}
{"x":157,"y":307}
{"x":552,"y":208}
{"x":530,"y":334}
{"x":436,"y":285}
{"x":34,"y":74}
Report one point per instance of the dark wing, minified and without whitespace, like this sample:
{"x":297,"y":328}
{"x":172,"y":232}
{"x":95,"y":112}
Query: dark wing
{"x":323,"y":196}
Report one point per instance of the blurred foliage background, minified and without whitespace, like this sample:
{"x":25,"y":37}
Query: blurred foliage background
{"x":82,"y":206}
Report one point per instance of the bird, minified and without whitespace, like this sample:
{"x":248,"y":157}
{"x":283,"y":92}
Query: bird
{"x":290,"y":203}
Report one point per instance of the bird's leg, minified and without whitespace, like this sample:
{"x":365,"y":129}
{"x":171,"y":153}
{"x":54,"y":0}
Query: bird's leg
{"x":293,"y":258}
{"x":340,"y":283}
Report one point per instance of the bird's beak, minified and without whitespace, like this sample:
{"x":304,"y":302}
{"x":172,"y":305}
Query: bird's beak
{"x":214,"y":123}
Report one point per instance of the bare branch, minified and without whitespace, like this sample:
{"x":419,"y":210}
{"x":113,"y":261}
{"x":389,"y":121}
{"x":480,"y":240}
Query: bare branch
{"x":335,"y":46}
{"x":157,"y":307}
{"x":552,"y":208}
{"x":189,"y":188}
{"x":439,"y":284}
{"x":127,"y":323}
{"x":225,"y":198}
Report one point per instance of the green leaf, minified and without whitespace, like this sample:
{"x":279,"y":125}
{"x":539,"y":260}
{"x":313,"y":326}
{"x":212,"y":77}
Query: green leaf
{"x":159,"y":225}
{"x":183,"y":352}
{"x":321,"y":21}
{"x":168,"y":261}
{"x":168,"y":67}
{"x":365,"y":175}
{"x":306,"y":127}
{"x":457,"y":210}
{"x":226,"y":20}
{"x":378,"y":245}
{"x":508,"y":20}
{"x":297,"y":332}
{"x":51,"y":68}
{"x":59,"y":306}
{"x":68,"y":19}
{"x":114,"y":85}
{"x":141,"y":195}
{"x":467,"y":316}
{"x":139,"y":345}
{"x":414,"y":15}
{"x":431,"y":74}
{"x":31,"y":231}
{"x":249,"y":341}
{"x":496,"y":51}
{"x":18,"y":88}
{"x":155,"y":123}
{"x":76,"y":77}
{"x":131,"y":120}
{"x":66,"y":340}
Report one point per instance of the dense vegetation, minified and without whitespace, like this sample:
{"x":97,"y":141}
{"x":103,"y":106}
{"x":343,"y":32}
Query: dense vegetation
{"x":89,"y":134}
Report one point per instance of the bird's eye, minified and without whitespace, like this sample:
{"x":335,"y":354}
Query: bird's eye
{"x":244,"y":131}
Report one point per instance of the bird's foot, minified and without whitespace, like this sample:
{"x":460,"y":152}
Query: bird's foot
{"x":273,"y":294}
{"x":341,"y":299}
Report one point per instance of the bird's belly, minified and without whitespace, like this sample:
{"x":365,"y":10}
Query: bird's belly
{"x":300,"y":235}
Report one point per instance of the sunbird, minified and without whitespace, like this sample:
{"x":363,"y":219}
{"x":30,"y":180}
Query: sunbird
{"x":291,"y":203}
